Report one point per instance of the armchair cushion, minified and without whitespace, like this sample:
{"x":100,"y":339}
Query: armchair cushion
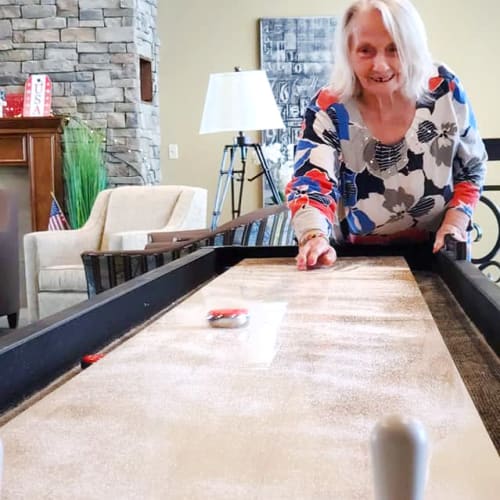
{"x":131,"y":240}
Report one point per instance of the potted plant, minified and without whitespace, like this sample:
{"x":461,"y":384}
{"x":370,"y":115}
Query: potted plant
{"x":84,"y":169}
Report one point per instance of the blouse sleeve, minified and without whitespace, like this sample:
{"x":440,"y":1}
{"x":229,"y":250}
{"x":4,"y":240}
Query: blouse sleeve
{"x":313,"y":194}
{"x":469,"y":163}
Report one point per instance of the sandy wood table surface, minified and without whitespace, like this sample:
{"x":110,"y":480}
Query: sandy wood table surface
{"x":279,"y":409}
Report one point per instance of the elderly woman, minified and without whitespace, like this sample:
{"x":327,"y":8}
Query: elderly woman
{"x":390,"y":150}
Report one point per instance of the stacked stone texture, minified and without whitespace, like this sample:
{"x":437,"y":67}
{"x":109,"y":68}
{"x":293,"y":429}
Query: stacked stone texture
{"x":91,"y":49}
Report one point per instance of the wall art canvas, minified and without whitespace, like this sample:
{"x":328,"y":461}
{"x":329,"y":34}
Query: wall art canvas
{"x":297,"y":55}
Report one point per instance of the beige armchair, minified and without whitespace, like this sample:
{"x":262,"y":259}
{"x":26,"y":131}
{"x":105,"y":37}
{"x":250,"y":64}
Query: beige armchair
{"x":121,"y":219}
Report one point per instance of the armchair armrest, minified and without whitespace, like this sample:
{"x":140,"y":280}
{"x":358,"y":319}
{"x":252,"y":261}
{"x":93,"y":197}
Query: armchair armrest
{"x":51,"y":248}
{"x":48,"y":248}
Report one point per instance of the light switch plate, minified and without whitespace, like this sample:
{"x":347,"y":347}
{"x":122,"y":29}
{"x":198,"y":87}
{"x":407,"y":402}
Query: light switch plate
{"x":173,"y":151}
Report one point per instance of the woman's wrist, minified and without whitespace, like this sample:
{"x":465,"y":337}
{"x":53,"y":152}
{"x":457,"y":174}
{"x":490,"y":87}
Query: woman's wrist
{"x":457,"y":218}
{"x":310,"y":235}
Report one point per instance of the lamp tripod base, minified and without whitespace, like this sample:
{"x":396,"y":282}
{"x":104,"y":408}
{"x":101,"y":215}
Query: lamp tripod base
{"x":229,"y":177}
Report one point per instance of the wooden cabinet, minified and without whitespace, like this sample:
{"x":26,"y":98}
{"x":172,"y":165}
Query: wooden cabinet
{"x":35,"y":143}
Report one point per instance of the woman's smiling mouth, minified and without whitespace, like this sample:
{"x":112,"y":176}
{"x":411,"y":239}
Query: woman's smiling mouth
{"x":382,"y":79}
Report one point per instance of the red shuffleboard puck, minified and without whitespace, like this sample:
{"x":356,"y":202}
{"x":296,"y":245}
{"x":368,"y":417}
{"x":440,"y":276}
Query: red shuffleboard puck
{"x":228,"y":318}
{"x":90,"y":359}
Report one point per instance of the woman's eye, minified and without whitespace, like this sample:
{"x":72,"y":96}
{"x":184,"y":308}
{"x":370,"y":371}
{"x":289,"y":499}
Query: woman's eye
{"x":365,"y":50}
{"x":392,"y":49}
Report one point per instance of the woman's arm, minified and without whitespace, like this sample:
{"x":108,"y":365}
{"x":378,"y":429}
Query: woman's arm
{"x":469,"y":166}
{"x":312,"y":194}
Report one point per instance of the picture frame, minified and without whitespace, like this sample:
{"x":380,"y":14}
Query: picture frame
{"x":297,"y":55}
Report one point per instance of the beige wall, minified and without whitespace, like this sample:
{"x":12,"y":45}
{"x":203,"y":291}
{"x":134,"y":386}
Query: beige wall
{"x":199,"y":37}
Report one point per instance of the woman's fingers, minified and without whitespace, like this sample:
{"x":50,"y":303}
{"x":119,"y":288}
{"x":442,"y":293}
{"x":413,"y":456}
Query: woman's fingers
{"x":316,"y":252}
{"x":328,"y":258}
{"x":455,"y":223}
{"x":457,"y":233}
{"x":301,"y":259}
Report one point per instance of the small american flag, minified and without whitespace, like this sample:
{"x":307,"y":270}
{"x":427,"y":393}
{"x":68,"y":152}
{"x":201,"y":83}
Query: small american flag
{"x":57,"y":221}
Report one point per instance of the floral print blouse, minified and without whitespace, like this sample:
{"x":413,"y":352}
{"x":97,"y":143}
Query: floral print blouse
{"x":355,"y":188}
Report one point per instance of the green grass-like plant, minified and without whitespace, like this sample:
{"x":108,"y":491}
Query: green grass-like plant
{"x":85,"y":173}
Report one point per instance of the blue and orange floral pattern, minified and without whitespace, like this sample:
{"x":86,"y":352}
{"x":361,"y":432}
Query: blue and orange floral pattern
{"x":354,"y":187}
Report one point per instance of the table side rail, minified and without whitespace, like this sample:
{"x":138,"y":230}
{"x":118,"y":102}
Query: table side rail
{"x":478,"y":296}
{"x":34,"y":356}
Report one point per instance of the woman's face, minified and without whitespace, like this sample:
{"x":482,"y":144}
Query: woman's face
{"x":374,"y":55}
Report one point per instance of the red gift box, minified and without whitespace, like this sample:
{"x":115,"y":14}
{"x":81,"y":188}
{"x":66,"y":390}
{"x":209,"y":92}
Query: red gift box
{"x":14,"y":106}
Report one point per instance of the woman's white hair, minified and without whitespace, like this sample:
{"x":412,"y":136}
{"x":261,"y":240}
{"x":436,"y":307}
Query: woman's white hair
{"x":406,"y":28}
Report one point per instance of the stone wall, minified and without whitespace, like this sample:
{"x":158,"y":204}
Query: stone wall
{"x":91,"y":50}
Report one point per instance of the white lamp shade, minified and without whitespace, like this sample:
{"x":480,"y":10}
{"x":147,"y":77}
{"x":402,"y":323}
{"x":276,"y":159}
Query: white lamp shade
{"x":239,"y":101}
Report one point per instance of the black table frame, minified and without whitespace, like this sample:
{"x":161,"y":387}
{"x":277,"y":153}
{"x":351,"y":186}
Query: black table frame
{"x":34,"y":356}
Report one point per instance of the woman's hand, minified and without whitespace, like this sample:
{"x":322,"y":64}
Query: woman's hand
{"x":455,"y":223}
{"x":315,"y":251}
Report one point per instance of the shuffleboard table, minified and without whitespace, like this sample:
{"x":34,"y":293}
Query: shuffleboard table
{"x":282,"y":407}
